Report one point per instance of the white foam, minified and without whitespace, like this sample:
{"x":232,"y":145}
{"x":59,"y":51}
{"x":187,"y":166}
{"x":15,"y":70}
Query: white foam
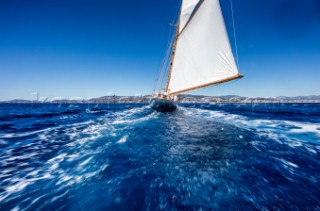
{"x":42,"y":137}
{"x":58,"y":158}
{"x":37,"y":199}
{"x":123,"y":140}
{"x":21,"y":157}
{"x":64,"y":178}
{"x":9,"y":135}
{"x":311,"y":150}
{"x":125,"y":120}
{"x":58,"y":197}
{"x":85,"y":162}
{"x":89,"y":111}
{"x":17,"y":208}
{"x":305,"y":128}
{"x":3,"y":196}
{"x":295,"y":144}
{"x":19,"y":186}
{"x":73,"y":157}
{"x":279,"y":131}
{"x":289,"y":165}
{"x":54,"y":166}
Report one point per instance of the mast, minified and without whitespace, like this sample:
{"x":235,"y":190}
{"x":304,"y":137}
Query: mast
{"x":173,"y":52}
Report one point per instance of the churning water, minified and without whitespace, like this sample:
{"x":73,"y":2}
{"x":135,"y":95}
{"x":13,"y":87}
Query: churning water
{"x":86,"y":157}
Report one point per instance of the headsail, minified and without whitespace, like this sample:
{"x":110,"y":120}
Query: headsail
{"x":203,"y":56}
{"x":187,"y":9}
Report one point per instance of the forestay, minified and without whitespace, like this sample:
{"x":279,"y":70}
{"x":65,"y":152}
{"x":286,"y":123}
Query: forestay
{"x":203,"y":55}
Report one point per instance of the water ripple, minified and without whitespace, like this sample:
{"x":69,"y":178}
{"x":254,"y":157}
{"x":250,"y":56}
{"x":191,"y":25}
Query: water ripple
{"x":198,"y":158}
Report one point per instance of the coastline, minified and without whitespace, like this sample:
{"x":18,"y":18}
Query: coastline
{"x":229,"y":99}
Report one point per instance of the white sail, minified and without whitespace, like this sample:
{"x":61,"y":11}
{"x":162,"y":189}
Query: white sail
{"x":203,"y":55}
{"x":186,"y":11}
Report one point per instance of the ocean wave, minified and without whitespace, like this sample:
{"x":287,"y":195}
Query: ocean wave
{"x":193,"y":158}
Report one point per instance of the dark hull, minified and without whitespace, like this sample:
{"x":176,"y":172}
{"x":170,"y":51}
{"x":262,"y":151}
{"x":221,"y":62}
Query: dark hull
{"x":162,"y":105}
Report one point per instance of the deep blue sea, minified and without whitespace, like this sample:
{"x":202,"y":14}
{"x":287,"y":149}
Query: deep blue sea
{"x":200,"y":157}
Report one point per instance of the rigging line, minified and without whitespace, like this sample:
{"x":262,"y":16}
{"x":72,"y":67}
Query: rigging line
{"x":164,"y":67}
{"x":235,"y":36}
{"x":158,"y":78}
{"x":161,"y":68}
{"x":158,"y":85}
{"x":166,"y":63}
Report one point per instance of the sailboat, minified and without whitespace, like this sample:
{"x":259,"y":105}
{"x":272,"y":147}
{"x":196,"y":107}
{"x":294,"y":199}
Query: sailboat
{"x":200,"y":55}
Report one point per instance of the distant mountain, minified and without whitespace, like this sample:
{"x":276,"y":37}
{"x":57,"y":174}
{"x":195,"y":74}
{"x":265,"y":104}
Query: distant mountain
{"x":182,"y":98}
{"x":17,"y":101}
{"x":310,"y":97}
{"x":204,"y":96}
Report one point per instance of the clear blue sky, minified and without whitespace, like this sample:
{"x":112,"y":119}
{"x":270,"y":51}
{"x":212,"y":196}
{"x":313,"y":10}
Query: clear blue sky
{"x":77,"y":48}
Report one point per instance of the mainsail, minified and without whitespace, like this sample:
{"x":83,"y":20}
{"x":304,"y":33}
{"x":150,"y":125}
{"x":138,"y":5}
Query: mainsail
{"x":202,"y":54}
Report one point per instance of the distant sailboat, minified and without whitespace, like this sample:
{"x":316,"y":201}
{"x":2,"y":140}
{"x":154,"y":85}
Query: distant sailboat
{"x":201,"y":54}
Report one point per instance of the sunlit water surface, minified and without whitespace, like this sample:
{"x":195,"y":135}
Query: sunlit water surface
{"x":92,"y":157}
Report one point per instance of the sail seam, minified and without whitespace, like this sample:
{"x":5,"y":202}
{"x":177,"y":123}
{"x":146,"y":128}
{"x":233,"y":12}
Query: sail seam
{"x":191,"y":17}
{"x":173,"y":52}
